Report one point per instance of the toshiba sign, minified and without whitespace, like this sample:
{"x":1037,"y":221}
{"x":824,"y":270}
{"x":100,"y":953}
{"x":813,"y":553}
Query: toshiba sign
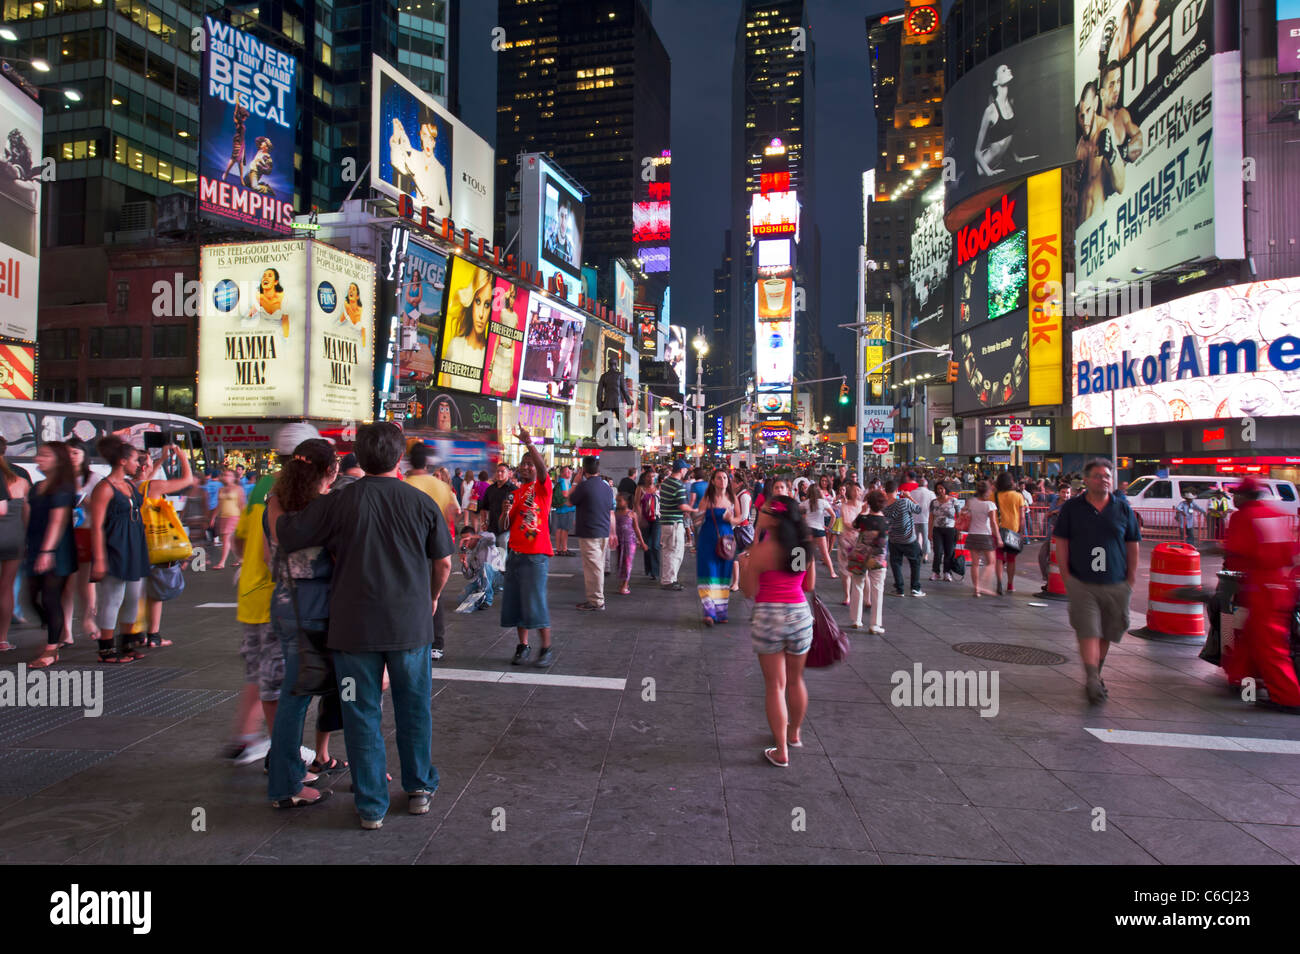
{"x":998,"y":222}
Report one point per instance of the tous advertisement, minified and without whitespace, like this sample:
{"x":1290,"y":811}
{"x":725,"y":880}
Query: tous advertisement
{"x":1229,"y":352}
{"x":1006,"y":118}
{"x":20,"y":211}
{"x":419,"y":149}
{"x":993,"y":371}
{"x":340,"y":380}
{"x":253,"y":330}
{"x":247,"y":121}
{"x":1155,"y":111}
{"x":551,"y":358}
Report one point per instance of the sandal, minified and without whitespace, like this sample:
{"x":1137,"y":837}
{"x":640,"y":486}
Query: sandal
{"x":333,"y":765}
{"x":6,"y":646}
{"x":769,"y":754}
{"x":156,"y":640}
{"x":113,"y":657}
{"x":51,"y":655}
{"x":297,"y":801}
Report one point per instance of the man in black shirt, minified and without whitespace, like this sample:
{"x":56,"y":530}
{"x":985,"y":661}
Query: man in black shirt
{"x":494,"y":499}
{"x":392,"y":556}
{"x":627,"y":486}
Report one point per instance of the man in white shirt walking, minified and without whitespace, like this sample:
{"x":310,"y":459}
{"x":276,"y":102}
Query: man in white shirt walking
{"x":924,"y":496}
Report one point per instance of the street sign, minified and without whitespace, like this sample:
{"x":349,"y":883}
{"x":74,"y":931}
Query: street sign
{"x":1016,"y":432}
{"x":397,"y":407}
{"x":880,"y":446}
{"x":875,"y":342}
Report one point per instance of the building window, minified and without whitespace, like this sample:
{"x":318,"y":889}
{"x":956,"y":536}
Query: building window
{"x":116,"y":342}
{"x":174,"y":395}
{"x":59,"y":344}
{"x":170,"y":341}
{"x":116,"y":392}
{"x":123,"y":295}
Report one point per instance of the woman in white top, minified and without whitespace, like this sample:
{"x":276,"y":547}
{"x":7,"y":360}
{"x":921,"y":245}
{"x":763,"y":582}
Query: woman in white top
{"x":817,"y":516}
{"x":983,"y":538}
{"x":744,"y":528}
{"x":849,"y":510}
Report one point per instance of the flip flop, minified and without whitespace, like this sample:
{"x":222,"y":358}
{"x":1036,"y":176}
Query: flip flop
{"x":322,"y":768}
{"x":297,"y":801}
{"x":767,"y":754}
{"x":36,"y":663}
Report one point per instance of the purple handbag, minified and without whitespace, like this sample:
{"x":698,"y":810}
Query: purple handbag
{"x":829,"y":644}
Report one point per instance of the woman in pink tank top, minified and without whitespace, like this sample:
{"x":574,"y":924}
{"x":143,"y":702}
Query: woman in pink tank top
{"x":776,"y":573}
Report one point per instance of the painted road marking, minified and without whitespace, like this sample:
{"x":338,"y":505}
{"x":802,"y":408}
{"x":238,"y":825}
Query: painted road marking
{"x":529,"y":678}
{"x":217,"y":606}
{"x":1179,"y":740}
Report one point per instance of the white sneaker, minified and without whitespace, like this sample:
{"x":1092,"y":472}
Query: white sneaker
{"x":934,"y":577}
{"x":308,"y":755}
{"x":254,"y":752}
{"x":918,"y":592}
{"x":877,"y":630}
{"x":947,"y":577}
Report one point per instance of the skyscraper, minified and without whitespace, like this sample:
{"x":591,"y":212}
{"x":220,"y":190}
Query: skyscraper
{"x":773,"y":91}
{"x":587,"y":83}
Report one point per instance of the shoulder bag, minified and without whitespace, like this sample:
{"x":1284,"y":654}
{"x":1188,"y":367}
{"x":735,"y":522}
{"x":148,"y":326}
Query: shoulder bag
{"x":829,"y":644}
{"x":725,"y":546}
{"x":962,"y":521}
{"x":316,"y":675}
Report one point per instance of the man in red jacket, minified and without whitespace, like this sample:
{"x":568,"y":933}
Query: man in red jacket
{"x":1259,"y":543}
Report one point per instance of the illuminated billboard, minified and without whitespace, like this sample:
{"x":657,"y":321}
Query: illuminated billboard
{"x":1157,"y":111}
{"x":774,"y":259}
{"x":655,"y":258}
{"x":247,"y":122}
{"x":421,"y":311}
{"x":1035,"y":433}
{"x":341,"y":351}
{"x":1288,"y":36}
{"x":1225,"y":353}
{"x":993,"y":368}
{"x":624,"y":294}
{"x":253,"y":330}
{"x":552,"y":351}
{"x":551,"y":222}
{"x":20,"y":223}
{"x":675,"y":353}
{"x":483,"y":334}
{"x":992,"y":263}
{"x":419,"y":149}
{"x":651,"y":222}
{"x":774,"y":215}
{"x":1046,"y":330}
{"x":18,"y":371}
{"x":774,"y":299}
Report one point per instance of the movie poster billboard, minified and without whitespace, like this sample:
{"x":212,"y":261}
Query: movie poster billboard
{"x":1008,"y":117}
{"x":468,"y":312}
{"x":675,"y":353}
{"x":553,"y":351}
{"x":20,"y":211}
{"x":247,"y":118}
{"x":1288,"y":36}
{"x":551,"y":223}
{"x":342,"y":348}
{"x":505,"y":340}
{"x":424,"y":286}
{"x":928,"y":265}
{"x":584,"y":395}
{"x":562,"y":220}
{"x":624,"y":295}
{"x":253,"y":330}
{"x":1151,"y":123}
{"x":419,"y":149}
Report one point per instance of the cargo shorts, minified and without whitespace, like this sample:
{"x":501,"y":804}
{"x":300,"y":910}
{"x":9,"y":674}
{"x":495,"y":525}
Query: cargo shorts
{"x":1098,"y":609}
{"x":263,"y":659}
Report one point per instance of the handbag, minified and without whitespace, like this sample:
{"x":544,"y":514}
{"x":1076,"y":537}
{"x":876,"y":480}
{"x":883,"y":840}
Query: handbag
{"x":962,"y":521}
{"x":829,"y":644}
{"x":163,"y":532}
{"x":316,"y":676}
{"x":1012,"y":541}
{"x":165,"y":582}
{"x":725,"y":546}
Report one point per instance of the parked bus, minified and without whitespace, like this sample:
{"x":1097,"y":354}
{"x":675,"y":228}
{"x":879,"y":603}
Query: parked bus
{"x":25,"y":424}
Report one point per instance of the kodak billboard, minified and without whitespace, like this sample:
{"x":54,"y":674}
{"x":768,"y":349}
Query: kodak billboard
{"x":1046,"y":328}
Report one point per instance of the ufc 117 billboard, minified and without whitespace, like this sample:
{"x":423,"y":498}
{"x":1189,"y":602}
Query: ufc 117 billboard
{"x":1224,"y":353}
{"x":1158,"y":137}
{"x":248,"y":117}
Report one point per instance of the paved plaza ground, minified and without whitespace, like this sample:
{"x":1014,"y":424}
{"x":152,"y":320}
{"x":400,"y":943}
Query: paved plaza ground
{"x":603,"y":770}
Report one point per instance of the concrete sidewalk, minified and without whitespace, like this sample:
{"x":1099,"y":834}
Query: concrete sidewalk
{"x":669,"y":768}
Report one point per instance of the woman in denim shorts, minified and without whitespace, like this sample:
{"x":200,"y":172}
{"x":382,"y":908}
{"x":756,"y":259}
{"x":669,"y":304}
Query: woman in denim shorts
{"x":776,"y":573}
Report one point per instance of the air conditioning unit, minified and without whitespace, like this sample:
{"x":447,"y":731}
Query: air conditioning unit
{"x":135,"y":217}
{"x":175,"y":214}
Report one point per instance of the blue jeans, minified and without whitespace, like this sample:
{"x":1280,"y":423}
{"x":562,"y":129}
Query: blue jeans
{"x":285,"y":769}
{"x":412,"y":685}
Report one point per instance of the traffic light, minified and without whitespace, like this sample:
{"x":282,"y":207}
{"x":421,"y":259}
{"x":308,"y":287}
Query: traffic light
{"x":952,"y":372}
{"x":844,"y":392}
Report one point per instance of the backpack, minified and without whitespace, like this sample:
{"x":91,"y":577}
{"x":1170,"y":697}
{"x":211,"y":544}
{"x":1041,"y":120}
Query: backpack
{"x":649,"y":507}
{"x":557,"y":494}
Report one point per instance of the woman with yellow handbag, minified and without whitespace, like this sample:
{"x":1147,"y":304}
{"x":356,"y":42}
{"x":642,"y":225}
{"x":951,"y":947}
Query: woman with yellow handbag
{"x":121,"y":551}
{"x":168,"y":543}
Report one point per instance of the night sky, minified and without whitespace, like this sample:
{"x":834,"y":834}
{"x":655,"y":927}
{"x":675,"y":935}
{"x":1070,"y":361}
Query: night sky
{"x":700,"y":38}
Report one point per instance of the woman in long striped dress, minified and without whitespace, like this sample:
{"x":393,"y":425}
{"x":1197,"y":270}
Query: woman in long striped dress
{"x":712,"y":572}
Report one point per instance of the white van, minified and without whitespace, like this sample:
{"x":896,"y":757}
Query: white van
{"x":1152,"y":493}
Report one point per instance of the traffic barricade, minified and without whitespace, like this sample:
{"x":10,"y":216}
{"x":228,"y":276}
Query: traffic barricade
{"x":1174,"y":566}
{"x":1055,"y":588}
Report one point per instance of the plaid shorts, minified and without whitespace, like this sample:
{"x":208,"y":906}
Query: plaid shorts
{"x":781,"y":627}
{"x":263,"y":659}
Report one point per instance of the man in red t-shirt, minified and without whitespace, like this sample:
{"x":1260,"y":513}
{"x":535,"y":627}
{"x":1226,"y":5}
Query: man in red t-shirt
{"x":909,"y":483}
{"x":523,"y":596}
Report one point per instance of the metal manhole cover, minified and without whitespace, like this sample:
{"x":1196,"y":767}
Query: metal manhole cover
{"x":1008,"y":653}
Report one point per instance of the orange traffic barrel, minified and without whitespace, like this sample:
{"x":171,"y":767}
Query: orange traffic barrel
{"x":1173,"y":566}
{"x":960,"y":549}
{"x":1055,"y":588}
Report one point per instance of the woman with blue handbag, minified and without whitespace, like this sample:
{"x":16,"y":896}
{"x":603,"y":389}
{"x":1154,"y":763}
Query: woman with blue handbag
{"x":299,"y":606}
{"x":51,"y":552}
